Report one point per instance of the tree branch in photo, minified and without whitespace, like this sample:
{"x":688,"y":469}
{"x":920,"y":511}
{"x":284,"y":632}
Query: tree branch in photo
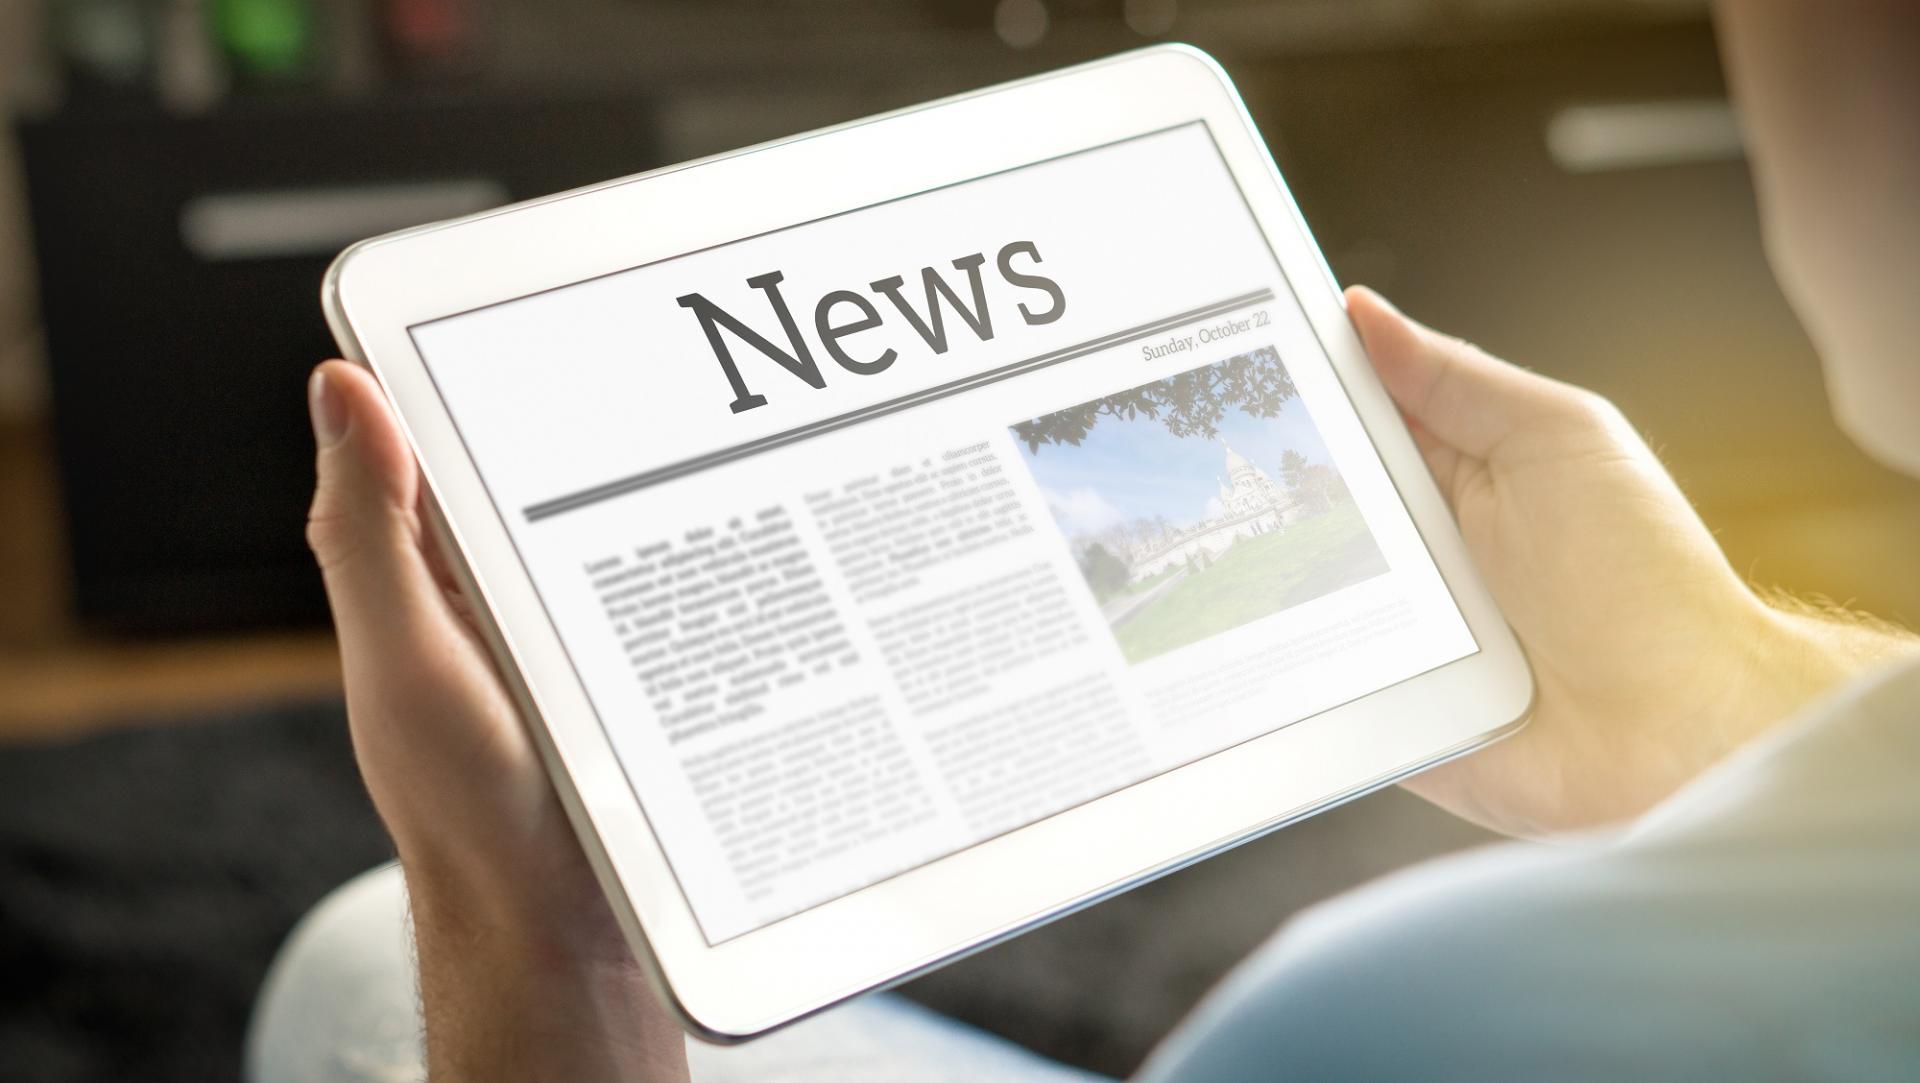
{"x":1190,"y":403}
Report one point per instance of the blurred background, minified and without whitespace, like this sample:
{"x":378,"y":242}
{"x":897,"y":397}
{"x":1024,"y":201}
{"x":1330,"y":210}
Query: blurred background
{"x":1558,"y":180}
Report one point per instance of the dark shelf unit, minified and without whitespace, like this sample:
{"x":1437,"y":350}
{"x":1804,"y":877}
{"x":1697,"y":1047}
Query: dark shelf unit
{"x":178,"y":381}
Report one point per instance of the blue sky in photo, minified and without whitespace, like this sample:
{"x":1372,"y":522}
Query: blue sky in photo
{"x":1128,"y":469}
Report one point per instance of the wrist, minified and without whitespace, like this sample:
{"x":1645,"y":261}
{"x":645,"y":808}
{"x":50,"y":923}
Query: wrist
{"x":508,"y":994}
{"x":545,"y":912}
{"x":1806,"y":652}
{"x":532,"y":887}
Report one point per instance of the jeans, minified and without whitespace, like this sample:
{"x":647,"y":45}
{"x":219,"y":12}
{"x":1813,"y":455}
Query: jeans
{"x":340,"y":1005}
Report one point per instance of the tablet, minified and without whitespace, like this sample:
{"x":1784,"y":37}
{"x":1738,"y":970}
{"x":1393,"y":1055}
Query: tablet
{"x":903,"y":534}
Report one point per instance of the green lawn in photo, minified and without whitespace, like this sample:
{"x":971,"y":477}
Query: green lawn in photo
{"x":1257,"y":577}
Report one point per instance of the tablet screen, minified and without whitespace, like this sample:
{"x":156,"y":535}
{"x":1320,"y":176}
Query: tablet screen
{"x":880,"y":535}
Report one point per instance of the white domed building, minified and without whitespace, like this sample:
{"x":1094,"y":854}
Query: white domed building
{"x":1250,"y":504}
{"x":1248,"y":490}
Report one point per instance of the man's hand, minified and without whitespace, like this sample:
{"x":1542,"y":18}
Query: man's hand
{"x":1652,"y":658}
{"x":523,"y":972}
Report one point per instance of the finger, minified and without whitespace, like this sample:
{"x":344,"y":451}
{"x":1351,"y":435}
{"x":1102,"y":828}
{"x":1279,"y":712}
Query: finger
{"x":362,"y":525}
{"x":1463,"y":397}
{"x":1443,"y":460}
{"x":433,"y":550}
{"x":430,"y":548}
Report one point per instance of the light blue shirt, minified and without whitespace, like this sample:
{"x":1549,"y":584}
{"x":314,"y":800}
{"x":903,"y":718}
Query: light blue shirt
{"x":1764,"y":923}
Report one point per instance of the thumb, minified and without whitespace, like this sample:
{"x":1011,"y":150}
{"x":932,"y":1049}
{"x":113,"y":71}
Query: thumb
{"x":1468,"y":400}
{"x":362,"y":525}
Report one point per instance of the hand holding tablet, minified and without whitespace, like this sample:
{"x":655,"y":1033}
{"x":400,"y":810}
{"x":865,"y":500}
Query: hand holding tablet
{"x":888,"y":559}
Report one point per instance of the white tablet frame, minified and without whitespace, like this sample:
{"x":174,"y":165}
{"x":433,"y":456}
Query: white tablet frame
{"x":916,"y":920}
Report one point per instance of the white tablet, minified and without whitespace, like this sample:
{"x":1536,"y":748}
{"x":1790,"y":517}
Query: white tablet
{"x":905,"y":533}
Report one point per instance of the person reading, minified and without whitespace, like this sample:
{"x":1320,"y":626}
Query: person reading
{"x":1748,"y":913}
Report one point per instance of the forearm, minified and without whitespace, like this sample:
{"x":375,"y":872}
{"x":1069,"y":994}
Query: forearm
{"x":1829,"y":646}
{"x":1796,"y":653}
{"x":500,"y":1003}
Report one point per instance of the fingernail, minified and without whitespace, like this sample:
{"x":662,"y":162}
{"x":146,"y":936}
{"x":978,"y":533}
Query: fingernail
{"x":329,"y":410}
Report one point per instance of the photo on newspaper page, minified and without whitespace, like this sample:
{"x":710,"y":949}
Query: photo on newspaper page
{"x":1198,"y":503}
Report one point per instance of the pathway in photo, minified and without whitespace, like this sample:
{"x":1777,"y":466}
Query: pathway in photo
{"x":1119,"y":610}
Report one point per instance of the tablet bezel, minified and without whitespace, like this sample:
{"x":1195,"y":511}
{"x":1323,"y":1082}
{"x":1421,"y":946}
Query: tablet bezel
{"x":918,"y":919}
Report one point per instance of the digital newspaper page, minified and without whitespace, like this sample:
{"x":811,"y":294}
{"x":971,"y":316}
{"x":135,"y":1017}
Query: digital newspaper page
{"x":881,"y":535}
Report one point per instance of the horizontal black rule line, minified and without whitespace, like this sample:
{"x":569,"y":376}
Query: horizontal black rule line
{"x":621,"y":486}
